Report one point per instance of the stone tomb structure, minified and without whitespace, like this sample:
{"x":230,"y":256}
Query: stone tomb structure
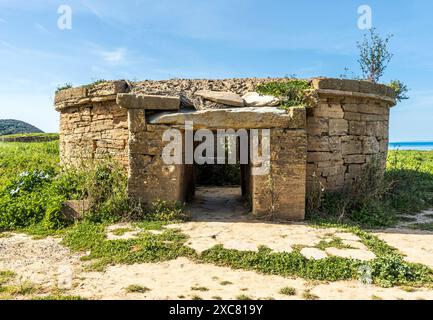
{"x":331,"y":139}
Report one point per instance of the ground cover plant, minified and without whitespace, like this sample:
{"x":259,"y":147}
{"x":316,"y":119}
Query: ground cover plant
{"x":33,"y":186}
{"x":405,"y":188}
{"x":292,"y":92}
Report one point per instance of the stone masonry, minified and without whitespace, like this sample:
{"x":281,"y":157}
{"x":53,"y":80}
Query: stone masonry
{"x":330,"y":140}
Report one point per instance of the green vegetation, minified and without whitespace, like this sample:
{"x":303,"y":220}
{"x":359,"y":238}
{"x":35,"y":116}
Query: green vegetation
{"x":64,"y":87}
{"x":243,"y":297}
{"x":400,"y":90}
{"x":33,"y":188}
{"x":147,"y":247}
{"x":17,"y":136}
{"x":96,"y":82}
{"x":377,"y":199}
{"x":59,"y":297}
{"x":307,"y":295}
{"x":291,"y":92}
{"x":121,"y":231}
{"x":374,"y":55}
{"x":195,"y":288}
{"x":9,"y":290}
{"x":135,"y":288}
{"x":225,"y":283}
{"x":288,"y":291}
{"x":334,"y":242}
{"x":10,"y":126}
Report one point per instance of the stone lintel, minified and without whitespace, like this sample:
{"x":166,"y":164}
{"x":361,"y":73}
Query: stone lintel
{"x":235,"y":118}
{"x":354,"y":86}
{"x":148,"y":102}
{"x":361,"y":95}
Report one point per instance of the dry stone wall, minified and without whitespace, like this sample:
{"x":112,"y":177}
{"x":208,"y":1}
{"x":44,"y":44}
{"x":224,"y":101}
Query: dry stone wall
{"x":331,"y":140}
{"x":92,"y":125}
{"x":346,"y":130}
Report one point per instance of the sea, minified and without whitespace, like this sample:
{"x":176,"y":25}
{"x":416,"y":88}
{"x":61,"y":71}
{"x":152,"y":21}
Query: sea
{"x":428,"y":146}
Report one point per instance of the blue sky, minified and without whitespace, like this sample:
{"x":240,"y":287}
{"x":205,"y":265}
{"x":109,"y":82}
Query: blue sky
{"x":206,"y":39}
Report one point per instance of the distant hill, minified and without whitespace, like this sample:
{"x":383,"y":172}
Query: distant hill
{"x":10,"y":126}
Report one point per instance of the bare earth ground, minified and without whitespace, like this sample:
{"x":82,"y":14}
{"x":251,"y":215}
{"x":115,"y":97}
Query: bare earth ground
{"x":47,"y":263}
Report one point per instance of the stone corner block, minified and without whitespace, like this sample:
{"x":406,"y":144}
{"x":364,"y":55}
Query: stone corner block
{"x":147,"y":102}
{"x":70,"y":94}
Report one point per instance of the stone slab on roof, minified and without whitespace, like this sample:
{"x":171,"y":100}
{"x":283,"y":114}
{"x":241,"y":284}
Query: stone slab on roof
{"x":235,"y":118}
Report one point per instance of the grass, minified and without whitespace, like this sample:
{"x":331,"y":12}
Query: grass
{"x":406,"y":188}
{"x":288,"y":291}
{"x":39,"y":197}
{"x":8,"y":289}
{"x":243,"y":297}
{"x":334,"y":242}
{"x":291,"y":92}
{"x":121,"y":231}
{"x":135,"y":288}
{"x":64,"y":87}
{"x":59,"y":297}
{"x":52,"y":136}
{"x":196,"y":288}
{"x":147,"y":247}
{"x":307,"y":295}
{"x":226,"y":283}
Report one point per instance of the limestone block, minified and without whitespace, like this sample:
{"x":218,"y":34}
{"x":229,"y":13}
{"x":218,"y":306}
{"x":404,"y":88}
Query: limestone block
{"x":352,"y":116}
{"x":136,"y":120}
{"x":332,"y":111}
{"x":357,"y":128}
{"x":254,"y":99}
{"x":378,"y":129}
{"x":338,"y":127}
{"x":148,"y":102}
{"x":222,"y":97}
{"x":350,"y":145}
{"x":355,"y":158}
{"x":317,"y":126}
{"x":318,"y":156}
{"x":234,"y":118}
{"x":318,"y":144}
{"x":70,"y":94}
{"x":370,"y":145}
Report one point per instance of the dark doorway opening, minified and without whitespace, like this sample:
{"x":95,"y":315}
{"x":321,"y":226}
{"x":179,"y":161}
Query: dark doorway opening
{"x":218,"y":191}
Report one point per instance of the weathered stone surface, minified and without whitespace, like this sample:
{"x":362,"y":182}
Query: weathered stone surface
{"x":147,"y":102}
{"x":338,"y":127}
{"x":357,"y":158}
{"x":313,"y":253}
{"x":317,"y":126}
{"x":357,"y":128}
{"x":254,"y":99}
{"x":222,"y":97}
{"x":344,"y":127}
{"x":235,"y":118}
{"x":75,"y":209}
{"x":70,"y":94}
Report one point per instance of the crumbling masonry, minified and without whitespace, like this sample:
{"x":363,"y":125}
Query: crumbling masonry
{"x":330,"y":140}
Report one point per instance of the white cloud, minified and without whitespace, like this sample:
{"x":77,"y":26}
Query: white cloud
{"x":116,"y":56}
